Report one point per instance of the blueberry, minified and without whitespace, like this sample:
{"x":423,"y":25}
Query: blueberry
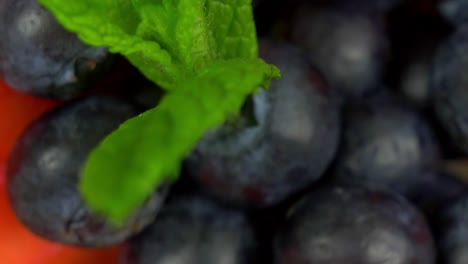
{"x":453,"y":231}
{"x":343,"y":225}
{"x":456,"y":11}
{"x":415,"y":75}
{"x":283,"y":143}
{"x":44,"y":167}
{"x":193,"y":229}
{"x":39,"y":57}
{"x":436,"y":190}
{"x":449,"y":87}
{"x":415,"y":36}
{"x":348,"y":47}
{"x":387,"y":144}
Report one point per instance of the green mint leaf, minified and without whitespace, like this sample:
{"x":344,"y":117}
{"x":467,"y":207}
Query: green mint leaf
{"x":165,"y":39}
{"x":204,"y":52}
{"x":114,"y":24}
{"x":147,"y":150}
{"x":232,"y":23}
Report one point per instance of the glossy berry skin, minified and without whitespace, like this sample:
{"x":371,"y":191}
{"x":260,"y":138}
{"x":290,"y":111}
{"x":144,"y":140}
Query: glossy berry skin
{"x":285,"y":145}
{"x":44,"y":167}
{"x":449,"y":87}
{"x":17,"y":244}
{"x":195,"y":230}
{"x":415,"y":33}
{"x":348,"y":47}
{"x":414,"y":79}
{"x":342,"y":225}
{"x":385,"y":144}
{"x":435,"y":191}
{"x":39,"y":57}
{"x":455,"y":11}
{"x":453,"y":227}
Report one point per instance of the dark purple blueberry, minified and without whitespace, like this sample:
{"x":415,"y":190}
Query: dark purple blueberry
{"x":342,"y":225}
{"x":415,"y":75}
{"x":415,"y":36}
{"x":456,"y":11}
{"x":450,"y":88}
{"x":39,"y":57}
{"x":454,"y":232}
{"x":284,"y":141}
{"x":385,"y":144}
{"x":435,"y":191}
{"x":195,"y":230}
{"x":44,"y":167}
{"x":348,"y":47}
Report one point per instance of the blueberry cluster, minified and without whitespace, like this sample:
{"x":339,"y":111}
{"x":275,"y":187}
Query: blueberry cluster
{"x":341,"y":161}
{"x":38,"y":56}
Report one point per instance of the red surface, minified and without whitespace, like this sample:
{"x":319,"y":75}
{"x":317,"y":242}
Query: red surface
{"x":18,"y":245}
{"x":16,"y":112}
